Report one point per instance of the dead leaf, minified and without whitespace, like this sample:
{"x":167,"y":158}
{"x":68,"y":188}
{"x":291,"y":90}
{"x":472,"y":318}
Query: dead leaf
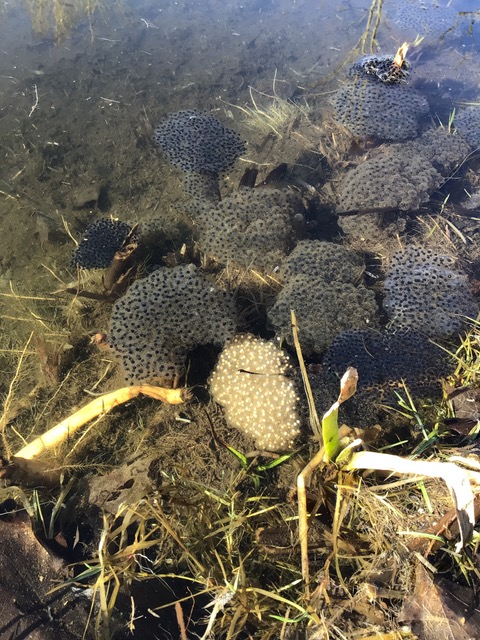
{"x":440,"y":610}
{"x":447,"y":527}
{"x":128,"y":485}
{"x":28,"y":571}
{"x":466,"y":405}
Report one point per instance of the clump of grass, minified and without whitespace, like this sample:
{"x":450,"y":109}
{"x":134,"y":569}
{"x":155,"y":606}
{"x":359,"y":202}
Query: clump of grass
{"x":210,"y":549}
{"x":272,"y":114}
{"x":467,"y":356}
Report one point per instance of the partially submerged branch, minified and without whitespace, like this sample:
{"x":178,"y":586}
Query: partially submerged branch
{"x":26,"y":458}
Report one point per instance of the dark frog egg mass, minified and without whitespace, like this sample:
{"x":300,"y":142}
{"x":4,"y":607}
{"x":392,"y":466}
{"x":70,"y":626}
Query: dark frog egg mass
{"x":428,"y":291}
{"x":99,"y":244}
{"x":424,"y":17}
{"x":322,"y":283}
{"x":163,"y":317}
{"x":252,"y":228}
{"x":385,"y":360}
{"x":395,"y":176}
{"x":379,"y":110}
{"x":467,"y":122}
{"x":198,"y":142}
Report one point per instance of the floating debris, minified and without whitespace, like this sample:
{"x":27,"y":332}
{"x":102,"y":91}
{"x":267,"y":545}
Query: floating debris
{"x":389,"y":69}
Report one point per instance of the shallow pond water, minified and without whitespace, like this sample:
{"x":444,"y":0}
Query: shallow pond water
{"x":81,"y":92}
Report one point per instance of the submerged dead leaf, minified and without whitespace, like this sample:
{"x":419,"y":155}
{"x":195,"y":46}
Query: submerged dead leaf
{"x":466,"y":405}
{"x":127,"y":484}
{"x":446,"y":527}
{"x":440,"y":610}
{"x":28,"y":572}
{"x":466,"y":402}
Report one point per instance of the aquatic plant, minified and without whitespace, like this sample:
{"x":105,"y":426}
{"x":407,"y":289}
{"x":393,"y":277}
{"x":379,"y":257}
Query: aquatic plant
{"x":60,"y":16}
{"x":272,"y":114}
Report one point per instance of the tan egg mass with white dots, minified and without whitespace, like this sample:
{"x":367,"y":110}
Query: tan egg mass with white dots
{"x":250,"y":382}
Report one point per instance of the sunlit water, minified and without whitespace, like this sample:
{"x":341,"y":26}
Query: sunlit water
{"x":77,"y":111}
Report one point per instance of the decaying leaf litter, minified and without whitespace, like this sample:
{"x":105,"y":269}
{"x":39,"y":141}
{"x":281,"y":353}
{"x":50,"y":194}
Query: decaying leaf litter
{"x":171,"y":496}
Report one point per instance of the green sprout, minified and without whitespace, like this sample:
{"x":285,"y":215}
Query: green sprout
{"x":256,"y":471}
{"x":331,"y":440}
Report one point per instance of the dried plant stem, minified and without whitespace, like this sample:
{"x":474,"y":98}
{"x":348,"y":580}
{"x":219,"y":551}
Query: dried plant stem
{"x":102,"y":405}
{"x":181,"y":621}
{"x":6,"y":406}
{"x":303,"y":517}
{"x":368,"y":39}
{"x":312,"y":411}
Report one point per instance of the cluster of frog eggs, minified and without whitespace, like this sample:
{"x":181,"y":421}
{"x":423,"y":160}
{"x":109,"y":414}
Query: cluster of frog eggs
{"x":99,"y":244}
{"x":252,"y":228}
{"x":322,"y":283}
{"x":251,"y":382}
{"x":167,"y":314}
{"x":163,"y":317}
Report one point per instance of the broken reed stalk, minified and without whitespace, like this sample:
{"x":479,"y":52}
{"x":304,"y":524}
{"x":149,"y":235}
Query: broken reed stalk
{"x":458,"y":480}
{"x":330,"y":437}
{"x":98,"y":407}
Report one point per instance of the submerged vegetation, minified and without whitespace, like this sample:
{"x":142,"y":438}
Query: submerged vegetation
{"x":271,"y":114}
{"x":61,"y":16}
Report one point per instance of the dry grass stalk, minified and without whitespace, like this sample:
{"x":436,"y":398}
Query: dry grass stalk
{"x":6,"y":415}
